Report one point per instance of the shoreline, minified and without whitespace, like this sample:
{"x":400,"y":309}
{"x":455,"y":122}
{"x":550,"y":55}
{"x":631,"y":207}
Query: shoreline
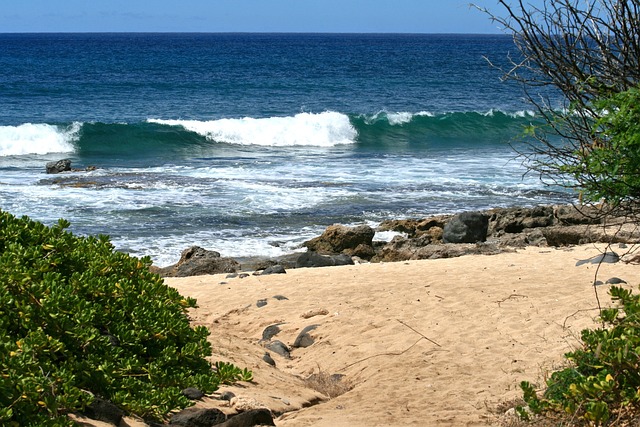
{"x":487,"y":232}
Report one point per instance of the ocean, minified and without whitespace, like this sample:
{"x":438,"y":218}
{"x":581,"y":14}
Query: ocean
{"x":250,"y":144}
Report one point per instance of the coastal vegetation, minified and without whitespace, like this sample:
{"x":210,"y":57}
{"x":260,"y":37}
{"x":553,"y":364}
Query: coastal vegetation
{"x":79,"y":320}
{"x":590,"y":52}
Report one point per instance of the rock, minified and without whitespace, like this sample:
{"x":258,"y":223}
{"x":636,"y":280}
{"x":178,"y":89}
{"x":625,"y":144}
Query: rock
{"x":607,"y":257}
{"x":304,"y":339}
{"x":314,"y":259}
{"x":398,"y":249}
{"x":59,"y":166}
{"x":280,"y":298}
{"x":227,"y":395}
{"x":615,"y":281}
{"x":407,"y":226}
{"x":194,"y":417}
{"x":267,"y":358}
{"x":280,"y":348}
{"x":254,"y":417}
{"x":402,"y":248}
{"x":339,"y":238}
{"x":261,"y":303}
{"x":413,"y":227}
{"x":244,"y":404}
{"x":570,"y":215}
{"x":567,"y":235}
{"x":274,"y":269}
{"x":103,"y":410}
{"x":516,"y":220}
{"x":193,"y":393}
{"x":467,"y":227}
{"x":365,"y":252}
{"x":270,"y":331}
{"x":196,"y":261}
{"x":451,"y":250}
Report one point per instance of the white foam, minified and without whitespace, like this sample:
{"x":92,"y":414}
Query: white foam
{"x":305,"y":129}
{"x":31,"y":138}
{"x":516,"y":114}
{"x":399,"y":118}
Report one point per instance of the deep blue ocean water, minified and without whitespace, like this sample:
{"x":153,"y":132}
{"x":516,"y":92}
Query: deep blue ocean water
{"x":249,"y":144}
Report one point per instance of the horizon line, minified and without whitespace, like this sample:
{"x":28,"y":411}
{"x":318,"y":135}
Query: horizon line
{"x":258,"y":32}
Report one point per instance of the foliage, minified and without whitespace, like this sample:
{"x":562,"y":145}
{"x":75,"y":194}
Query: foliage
{"x":228,"y":373}
{"x":610,"y":169}
{"x":604,"y":376}
{"x":589,"y":52}
{"x":79,"y":319}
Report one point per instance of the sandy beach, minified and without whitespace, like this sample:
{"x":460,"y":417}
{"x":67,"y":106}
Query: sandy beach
{"x":434,"y":342}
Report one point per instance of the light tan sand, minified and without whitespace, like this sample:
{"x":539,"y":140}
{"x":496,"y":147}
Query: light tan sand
{"x":424,"y":343}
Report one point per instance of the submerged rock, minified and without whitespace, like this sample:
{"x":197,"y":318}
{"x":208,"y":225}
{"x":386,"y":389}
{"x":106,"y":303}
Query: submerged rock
{"x":59,"y":166}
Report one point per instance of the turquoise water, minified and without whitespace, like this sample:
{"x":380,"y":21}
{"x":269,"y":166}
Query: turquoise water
{"x":250,"y":144}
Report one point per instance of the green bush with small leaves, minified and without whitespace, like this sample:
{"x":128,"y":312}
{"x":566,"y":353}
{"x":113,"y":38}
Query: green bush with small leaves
{"x":79,"y":319}
{"x":603,"y":378}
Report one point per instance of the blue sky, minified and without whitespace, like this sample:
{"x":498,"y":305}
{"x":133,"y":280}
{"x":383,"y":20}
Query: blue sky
{"x":408,"y":16}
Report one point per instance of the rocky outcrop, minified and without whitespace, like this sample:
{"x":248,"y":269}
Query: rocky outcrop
{"x":196,"y":261}
{"x":516,"y":220}
{"x":416,"y":228}
{"x":352,"y":241}
{"x":506,"y":228}
{"x":443,"y":236}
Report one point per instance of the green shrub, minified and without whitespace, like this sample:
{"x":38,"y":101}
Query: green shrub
{"x":609,"y":167}
{"x":79,"y":319}
{"x":604,"y":376}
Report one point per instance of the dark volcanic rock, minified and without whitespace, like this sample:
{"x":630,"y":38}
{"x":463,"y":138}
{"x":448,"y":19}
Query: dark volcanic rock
{"x":193,"y":417}
{"x":274,"y":269}
{"x":467,"y":227}
{"x":280,"y":348}
{"x":255,"y":417}
{"x":103,"y":410}
{"x":314,"y":259}
{"x":193,"y":393}
{"x":339,"y":238}
{"x":196,"y":261}
{"x":304,"y":338}
{"x":267,"y":358}
{"x":227,"y":395}
{"x":59,"y":166}
{"x":607,"y":257}
{"x":270,"y":332}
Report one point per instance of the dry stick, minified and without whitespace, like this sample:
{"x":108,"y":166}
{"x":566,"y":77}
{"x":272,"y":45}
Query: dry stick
{"x":422,"y":336}
{"x":428,"y":339}
{"x":564,"y":324}
{"x":509,"y":297}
